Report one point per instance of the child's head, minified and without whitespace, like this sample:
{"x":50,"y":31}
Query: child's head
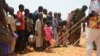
{"x":45,"y":11}
{"x":64,"y":23}
{"x":27,"y":11}
{"x":30,"y":16}
{"x":48,"y":23}
{"x":93,"y":13}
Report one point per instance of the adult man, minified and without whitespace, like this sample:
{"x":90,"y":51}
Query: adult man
{"x":12,"y":28}
{"x":4,"y":33}
{"x":70,"y":24}
{"x":38,"y":31}
{"x":45,"y":15}
{"x":20,"y":44}
{"x":59,"y":18}
{"x":54,"y":26}
{"x":79,"y":15}
{"x":50,"y":17}
{"x":36,"y":16}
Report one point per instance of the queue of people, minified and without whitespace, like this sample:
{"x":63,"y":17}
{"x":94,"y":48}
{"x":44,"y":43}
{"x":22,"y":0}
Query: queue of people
{"x":25,"y":30}
{"x":38,"y":30}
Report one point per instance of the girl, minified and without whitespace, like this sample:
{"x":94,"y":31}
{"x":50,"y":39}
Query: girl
{"x":64,"y":29}
{"x":48,"y":34}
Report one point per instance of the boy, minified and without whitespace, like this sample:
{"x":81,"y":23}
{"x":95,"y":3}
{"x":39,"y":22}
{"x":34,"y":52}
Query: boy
{"x":20,"y":45}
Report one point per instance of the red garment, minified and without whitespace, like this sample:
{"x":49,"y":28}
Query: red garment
{"x":20,"y":18}
{"x":48,"y":33}
{"x":94,"y":22}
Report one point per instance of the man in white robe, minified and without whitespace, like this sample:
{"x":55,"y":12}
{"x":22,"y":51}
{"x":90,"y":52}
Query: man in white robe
{"x":38,"y":30}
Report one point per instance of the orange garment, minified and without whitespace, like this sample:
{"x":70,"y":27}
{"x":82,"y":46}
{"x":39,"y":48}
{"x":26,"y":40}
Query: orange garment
{"x":94,"y":22}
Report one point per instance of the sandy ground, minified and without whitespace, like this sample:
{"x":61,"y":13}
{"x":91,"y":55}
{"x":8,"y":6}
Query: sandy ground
{"x":64,"y":51}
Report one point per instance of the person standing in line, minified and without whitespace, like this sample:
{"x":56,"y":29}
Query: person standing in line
{"x":27,"y":33}
{"x":45,"y":12}
{"x":48,"y":33}
{"x":20,"y":24}
{"x":12,"y":28}
{"x":50,"y":17}
{"x":59,"y":21}
{"x":38,"y":32}
{"x":5,"y":36}
{"x":94,"y":5}
{"x":59,"y":18}
{"x":64,"y":30}
{"x":92,"y":33}
{"x":54,"y":26}
{"x":64,"y":40}
{"x":36,"y":16}
{"x":79,"y":15}
{"x":70,"y":24}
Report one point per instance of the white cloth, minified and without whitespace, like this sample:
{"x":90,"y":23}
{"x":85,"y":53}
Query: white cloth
{"x":44,"y":16}
{"x":92,"y":35}
{"x":12,"y":46}
{"x":94,"y":5}
{"x":11,"y":21}
{"x":39,"y":38}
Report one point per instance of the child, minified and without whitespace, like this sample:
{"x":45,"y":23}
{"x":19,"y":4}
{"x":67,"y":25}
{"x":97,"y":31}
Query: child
{"x":29,"y":27}
{"x":48,"y":34}
{"x":64,"y":29}
{"x":31,"y":38}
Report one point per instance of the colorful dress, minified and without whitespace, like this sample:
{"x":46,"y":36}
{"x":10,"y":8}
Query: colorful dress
{"x":48,"y":33}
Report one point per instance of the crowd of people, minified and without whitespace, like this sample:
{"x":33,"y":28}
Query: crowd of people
{"x":39,"y":30}
{"x":25,"y":30}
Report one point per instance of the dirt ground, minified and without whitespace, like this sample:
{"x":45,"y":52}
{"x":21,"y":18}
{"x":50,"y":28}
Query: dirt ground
{"x":64,"y":51}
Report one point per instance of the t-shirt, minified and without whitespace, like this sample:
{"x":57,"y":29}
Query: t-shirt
{"x":20,"y":18}
{"x":48,"y":33}
{"x":94,"y":22}
{"x":11,"y":21}
{"x":94,"y":5}
{"x":29,"y":24}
